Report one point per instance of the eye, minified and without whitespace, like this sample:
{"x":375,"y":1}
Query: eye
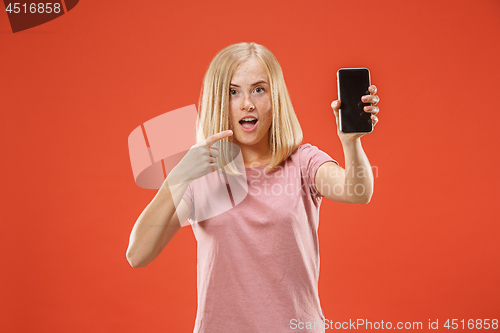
{"x":259,"y":90}
{"x":232,"y":92}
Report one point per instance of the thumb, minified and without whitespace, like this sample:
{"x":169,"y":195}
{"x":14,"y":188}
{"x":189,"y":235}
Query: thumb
{"x":336,"y":107}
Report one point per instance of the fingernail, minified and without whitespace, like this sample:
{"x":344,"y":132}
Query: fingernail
{"x":364,"y":99}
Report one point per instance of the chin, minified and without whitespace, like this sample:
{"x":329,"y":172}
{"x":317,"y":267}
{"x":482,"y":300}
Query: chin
{"x":244,"y":139}
{"x":245,"y":142}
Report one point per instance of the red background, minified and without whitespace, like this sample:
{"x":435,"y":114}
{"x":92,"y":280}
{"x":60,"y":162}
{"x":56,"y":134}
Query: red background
{"x":426,"y":247}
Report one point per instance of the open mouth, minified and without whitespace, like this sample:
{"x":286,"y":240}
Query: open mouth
{"x":248,"y":125}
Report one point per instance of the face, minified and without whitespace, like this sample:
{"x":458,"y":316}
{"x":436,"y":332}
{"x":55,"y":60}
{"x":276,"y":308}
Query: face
{"x":250,"y":97}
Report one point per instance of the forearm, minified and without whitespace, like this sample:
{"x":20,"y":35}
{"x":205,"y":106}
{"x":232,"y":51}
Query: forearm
{"x":358,"y":183}
{"x":155,"y":227}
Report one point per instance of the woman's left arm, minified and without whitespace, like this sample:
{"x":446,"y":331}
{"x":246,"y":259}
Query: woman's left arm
{"x":354,"y":184}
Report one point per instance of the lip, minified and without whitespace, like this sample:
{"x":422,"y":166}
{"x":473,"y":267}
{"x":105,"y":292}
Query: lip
{"x":251,"y":129}
{"x":247,"y":117}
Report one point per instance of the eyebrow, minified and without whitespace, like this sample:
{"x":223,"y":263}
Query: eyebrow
{"x":253,"y":84}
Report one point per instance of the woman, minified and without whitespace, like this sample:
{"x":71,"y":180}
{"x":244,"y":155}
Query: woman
{"x":258,"y":260}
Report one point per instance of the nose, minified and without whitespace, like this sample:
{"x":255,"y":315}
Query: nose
{"x":247,"y":103}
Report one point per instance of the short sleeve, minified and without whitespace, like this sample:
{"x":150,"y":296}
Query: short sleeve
{"x":311,"y":158}
{"x":189,"y":199}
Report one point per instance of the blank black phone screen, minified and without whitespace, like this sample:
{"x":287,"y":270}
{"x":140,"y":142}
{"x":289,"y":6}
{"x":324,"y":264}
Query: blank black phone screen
{"x":353,"y":83}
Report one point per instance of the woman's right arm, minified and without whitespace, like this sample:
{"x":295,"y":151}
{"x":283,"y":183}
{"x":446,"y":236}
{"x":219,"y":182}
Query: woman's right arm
{"x":157,"y":224}
{"x":160,"y":220}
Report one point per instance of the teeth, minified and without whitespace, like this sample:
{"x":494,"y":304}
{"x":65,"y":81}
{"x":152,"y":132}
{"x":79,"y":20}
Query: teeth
{"x":248,"y":119}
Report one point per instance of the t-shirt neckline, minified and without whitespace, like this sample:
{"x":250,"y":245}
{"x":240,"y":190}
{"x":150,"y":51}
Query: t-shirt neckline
{"x":257,"y":167}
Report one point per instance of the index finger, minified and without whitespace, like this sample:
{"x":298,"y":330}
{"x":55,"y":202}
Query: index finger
{"x":218,"y":136}
{"x":372,"y":89}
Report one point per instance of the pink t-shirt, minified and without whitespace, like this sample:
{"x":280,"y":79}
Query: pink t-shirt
{"x":258,"y":262}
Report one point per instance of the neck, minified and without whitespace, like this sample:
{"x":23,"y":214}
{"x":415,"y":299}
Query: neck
{"x":255,"y":155}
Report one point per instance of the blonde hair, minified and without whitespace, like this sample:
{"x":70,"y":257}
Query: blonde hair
{"x":285,"y":133}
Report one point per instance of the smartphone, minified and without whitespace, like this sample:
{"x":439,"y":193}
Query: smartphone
{"x":352,"y":83}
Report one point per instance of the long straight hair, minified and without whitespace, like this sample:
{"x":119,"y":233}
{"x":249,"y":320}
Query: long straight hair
{"x":285,"y":133}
